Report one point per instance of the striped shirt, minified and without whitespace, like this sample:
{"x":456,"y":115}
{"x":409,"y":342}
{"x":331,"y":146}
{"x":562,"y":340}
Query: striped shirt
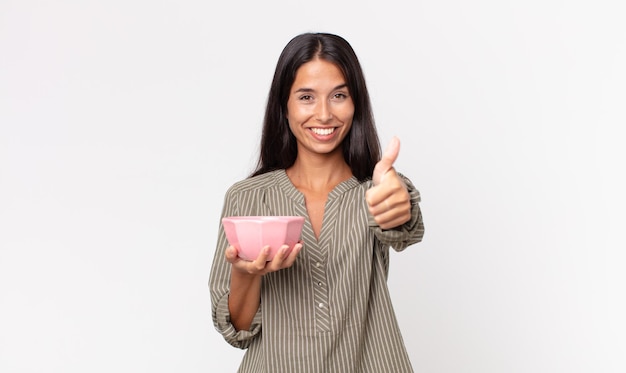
{"x":331,"y":311}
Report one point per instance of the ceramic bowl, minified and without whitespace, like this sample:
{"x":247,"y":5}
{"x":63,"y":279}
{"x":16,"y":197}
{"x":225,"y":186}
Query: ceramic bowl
{"x":249,"y":234}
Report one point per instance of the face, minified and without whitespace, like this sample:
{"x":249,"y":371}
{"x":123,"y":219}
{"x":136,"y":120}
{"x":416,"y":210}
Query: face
{"x":319,"y":109}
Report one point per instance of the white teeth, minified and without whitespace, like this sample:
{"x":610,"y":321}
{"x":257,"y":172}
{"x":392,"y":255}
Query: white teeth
{"x":323,"y":131}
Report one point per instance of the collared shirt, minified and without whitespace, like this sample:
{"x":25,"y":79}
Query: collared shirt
{"x":331,"y":311}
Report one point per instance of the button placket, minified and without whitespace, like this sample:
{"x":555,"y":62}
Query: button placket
{"x":320,"y":293}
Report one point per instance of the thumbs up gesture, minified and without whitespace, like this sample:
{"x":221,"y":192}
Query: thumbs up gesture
{"x":388,"y":200}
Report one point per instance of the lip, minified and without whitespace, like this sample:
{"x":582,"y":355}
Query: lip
{"x":323,"y":137}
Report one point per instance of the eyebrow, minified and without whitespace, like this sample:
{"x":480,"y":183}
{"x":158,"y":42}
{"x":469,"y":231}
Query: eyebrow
{"x":341,"y":86}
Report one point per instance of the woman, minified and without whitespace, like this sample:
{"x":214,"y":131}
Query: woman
{"x":325,"y":306}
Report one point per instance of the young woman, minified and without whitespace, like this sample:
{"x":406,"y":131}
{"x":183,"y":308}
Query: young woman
{"x":324,"y":307}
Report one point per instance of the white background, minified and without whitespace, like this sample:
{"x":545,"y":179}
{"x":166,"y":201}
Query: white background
{"x":122,"y":123}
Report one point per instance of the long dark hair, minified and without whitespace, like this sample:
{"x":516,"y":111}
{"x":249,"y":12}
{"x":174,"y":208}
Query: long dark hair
{"x":361,"y":147}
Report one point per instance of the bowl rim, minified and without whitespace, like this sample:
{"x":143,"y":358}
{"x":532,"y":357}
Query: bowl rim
{"x":263,"y":217}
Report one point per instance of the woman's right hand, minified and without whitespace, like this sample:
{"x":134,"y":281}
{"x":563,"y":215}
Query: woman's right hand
{"x":260,"y":266}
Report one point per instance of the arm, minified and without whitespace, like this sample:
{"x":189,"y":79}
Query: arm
{"x":220,"y":288}
{"x":244,"y":299}
{"x":236,"y":284}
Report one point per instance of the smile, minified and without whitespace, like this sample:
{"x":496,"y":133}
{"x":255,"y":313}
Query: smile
{"x":323,"y":131}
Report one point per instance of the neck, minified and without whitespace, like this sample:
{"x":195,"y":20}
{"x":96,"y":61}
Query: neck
{"x":319,"y":173}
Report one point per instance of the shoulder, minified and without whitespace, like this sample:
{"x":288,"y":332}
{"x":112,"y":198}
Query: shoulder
{"x":250,"y":196}
{"x":253,"y":184}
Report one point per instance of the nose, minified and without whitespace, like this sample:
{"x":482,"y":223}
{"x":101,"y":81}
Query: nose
{"x":324,"y":114}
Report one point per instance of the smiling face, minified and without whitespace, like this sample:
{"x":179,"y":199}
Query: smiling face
{"x":319,"y":108}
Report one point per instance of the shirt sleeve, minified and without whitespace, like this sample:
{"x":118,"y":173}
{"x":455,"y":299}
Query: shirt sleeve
{"x":219,"y":285}
{"x":409,"y":233}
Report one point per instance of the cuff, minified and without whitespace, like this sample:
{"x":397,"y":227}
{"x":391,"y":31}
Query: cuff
{"x":237,"y":338}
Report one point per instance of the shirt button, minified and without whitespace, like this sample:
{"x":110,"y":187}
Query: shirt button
{"x":319,"y":283}
{"x":318,"y":264}
{"x":321,"y":305}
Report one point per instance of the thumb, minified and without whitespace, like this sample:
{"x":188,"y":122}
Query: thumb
{"x":386,"y":163}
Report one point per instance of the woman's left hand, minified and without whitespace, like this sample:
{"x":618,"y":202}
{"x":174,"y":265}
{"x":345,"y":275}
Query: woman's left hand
{"x":389,"y":200}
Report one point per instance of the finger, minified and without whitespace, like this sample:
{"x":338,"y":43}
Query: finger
{"x":384,"y":199}
{"x":375,"y":196}
{"x":384,"y":205}
{"x":263,"y":254}
{"x":277,"y":261}
{"x":293,"y":254}
{"x":258,"y":265}
{"x":393,"y":217}
{"x":379,"y":193}
{"x":231,"y":254}
{"x":281,"y":254}
{"x":388,"y":159}
{"x":393,"y":222}
{"x":391,"y":153}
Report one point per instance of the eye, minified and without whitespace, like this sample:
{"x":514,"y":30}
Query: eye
{"x":306,"y":98}
{"x":340,"y":96}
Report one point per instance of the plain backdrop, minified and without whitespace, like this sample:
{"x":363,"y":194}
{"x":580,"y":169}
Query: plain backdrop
{"x":122,"y":124}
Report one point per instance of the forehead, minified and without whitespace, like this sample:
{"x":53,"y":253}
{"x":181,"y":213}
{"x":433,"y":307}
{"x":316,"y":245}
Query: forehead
{"x":318,"y":72}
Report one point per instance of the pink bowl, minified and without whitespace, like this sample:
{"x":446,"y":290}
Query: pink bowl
{"x":249,"y":234}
